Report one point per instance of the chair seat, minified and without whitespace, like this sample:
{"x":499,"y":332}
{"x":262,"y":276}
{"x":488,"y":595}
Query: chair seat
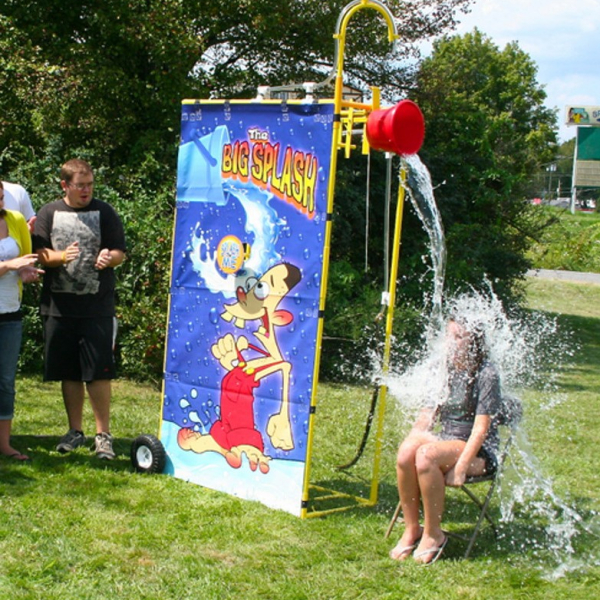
{"x":480,"y":478}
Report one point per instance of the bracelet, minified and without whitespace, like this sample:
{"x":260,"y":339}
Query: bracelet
{"x":64,"y":257}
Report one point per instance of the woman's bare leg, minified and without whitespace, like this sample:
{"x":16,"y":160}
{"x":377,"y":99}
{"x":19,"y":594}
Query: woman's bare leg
{"x":433,"y":461}
{"x":409,"y":493}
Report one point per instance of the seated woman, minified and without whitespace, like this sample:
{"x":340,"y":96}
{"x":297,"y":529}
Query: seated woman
{"x":465,"y":445}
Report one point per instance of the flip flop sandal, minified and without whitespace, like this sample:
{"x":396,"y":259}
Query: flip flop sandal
{"x":436,"y":551}
{"x":17,"y":456}
{"x":403,"y":550}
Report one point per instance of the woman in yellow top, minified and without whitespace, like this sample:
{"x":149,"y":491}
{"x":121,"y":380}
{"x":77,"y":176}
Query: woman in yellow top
{"x":16,"y":267}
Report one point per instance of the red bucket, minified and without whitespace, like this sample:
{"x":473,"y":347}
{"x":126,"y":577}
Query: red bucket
{"x":398,"y":129}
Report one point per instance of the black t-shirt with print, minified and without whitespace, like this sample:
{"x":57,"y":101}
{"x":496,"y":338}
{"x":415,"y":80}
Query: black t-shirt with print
{"x":78,"y":289}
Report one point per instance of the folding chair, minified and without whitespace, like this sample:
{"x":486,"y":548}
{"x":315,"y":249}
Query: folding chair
{"x":510,"y":417}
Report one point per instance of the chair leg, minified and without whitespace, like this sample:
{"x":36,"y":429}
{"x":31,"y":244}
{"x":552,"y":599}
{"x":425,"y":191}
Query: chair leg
{"x":483,"y":513}
{"x":393,"y":520}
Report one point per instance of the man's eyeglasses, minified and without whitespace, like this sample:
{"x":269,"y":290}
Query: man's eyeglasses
{"x":81,"y":186}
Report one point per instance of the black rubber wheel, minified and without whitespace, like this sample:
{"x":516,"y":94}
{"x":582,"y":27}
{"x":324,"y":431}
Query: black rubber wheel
{"x":148,"y":454}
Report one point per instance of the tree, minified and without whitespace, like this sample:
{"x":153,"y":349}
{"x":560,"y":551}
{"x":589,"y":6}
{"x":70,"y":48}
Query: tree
{"x":104,"y":75}
{"x":487,"y":131}
{"x":103,"y":80}
{"x":108,"y":75}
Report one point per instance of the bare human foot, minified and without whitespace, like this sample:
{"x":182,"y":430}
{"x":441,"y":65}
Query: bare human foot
{"x":13,"y":454}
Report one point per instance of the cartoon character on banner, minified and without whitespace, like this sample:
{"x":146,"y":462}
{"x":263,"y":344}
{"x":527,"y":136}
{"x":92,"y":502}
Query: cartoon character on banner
{"x":235,"y":433}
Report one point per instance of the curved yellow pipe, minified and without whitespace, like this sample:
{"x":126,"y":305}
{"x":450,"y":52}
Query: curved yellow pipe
{"x":340,"y":36}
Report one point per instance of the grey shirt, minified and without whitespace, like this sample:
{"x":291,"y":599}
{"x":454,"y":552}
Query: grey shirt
{"x":458,"y":413}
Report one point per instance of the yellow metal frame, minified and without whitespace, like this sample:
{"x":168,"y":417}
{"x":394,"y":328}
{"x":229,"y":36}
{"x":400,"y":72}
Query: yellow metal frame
{"x":347,"y":115}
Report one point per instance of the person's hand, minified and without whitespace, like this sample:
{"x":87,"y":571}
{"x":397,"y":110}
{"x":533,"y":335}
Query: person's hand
{"x":30,"y":274}
{"x":70,"y":253}
{"x":31,"y":224}
{"x":455,"y":477}
{"x":16,"y":264}
{"x":103,"y":259}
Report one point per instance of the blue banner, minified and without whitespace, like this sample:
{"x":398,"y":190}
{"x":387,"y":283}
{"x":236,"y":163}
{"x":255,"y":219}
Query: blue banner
{"x":244,"y":298}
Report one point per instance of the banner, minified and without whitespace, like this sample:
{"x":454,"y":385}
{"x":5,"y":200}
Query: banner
{"x":582,"y":115}
{"x":246,"y":273}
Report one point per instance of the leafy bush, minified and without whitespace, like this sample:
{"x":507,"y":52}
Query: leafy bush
{"x":145,"y":203}
{"x":571,"y":243}
{"x":144,"y":199}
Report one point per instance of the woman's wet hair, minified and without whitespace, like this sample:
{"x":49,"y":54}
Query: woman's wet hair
{"x":477,"y":345}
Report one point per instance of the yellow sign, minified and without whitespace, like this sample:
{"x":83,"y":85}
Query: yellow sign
{"x":230,"y":254}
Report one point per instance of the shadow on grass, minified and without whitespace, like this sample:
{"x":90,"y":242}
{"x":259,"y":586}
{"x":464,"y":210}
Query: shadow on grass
{"x":460,"y":518}
{"x":547,"y":540}
{"x":44,"y":456}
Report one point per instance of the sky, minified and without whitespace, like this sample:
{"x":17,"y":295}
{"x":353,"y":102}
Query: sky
{"x":561,"y":37}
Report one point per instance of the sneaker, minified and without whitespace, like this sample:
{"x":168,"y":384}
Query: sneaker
{"x":71,"y":440}
{"x":104,"y":447}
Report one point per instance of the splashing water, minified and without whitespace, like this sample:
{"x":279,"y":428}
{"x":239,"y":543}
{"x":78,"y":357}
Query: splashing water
{"x":528,"y":351}
{"x":420,"y":193}
{"x":264,"y":228}
{"x":524,"y":485}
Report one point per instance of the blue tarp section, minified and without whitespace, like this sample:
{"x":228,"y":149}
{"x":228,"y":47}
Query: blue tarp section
{"x":244,"y":298}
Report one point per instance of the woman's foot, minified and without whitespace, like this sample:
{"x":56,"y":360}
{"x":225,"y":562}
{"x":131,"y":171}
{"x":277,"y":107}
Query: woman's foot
{"x":406,"y":544}
{"x":430,"y":549}
{"x":15,"y":455}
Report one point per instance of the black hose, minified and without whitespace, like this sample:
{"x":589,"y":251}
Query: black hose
{"x":365,"y":437}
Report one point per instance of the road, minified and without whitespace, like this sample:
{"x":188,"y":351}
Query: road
{"x":570,"y":276}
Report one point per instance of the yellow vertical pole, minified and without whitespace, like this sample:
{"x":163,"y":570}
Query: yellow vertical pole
{"x":388,"y":336}
{"x":336,"y":135}
{"x":340,"y":37}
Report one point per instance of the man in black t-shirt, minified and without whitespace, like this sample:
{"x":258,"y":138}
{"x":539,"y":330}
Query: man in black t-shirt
{"x":80,"y":240}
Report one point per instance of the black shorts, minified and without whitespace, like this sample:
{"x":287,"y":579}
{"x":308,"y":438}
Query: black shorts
{"x":491,"y":462}
{"x":79,"y":349}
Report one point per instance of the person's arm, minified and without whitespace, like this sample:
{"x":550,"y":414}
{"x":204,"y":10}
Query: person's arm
{"x":31,"y":224}
{"x":424,"y":420}
{"x":55,"y":258}
{"x":25,"y":205}
{"x":14,"y":264}
{"x":27,"y":271}
{"x":113,"y":239}
{"x":457,"y":475}
{"x":109,"y":258}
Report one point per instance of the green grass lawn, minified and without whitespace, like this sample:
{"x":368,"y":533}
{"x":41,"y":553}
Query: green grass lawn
{"x":72,"y":527}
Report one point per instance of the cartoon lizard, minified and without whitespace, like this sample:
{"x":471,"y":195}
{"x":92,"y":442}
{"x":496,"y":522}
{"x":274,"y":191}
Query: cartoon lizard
{"x":235,"y":433}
